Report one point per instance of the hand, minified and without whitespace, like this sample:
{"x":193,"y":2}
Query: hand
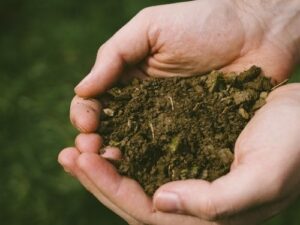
{"x":263,"y":178}
{"x":151,"y":44}
{"x":195,"y":37}
{"x":262,"y":181}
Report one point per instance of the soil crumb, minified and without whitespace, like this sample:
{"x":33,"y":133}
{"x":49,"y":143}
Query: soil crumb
{"x":180,"y":128}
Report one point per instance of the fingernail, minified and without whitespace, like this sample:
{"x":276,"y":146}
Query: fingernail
{"x":167,"y":202}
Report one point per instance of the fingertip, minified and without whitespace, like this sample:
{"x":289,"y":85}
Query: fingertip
{"x":80,"y":86}
{"x":67,"y":158}
{"x":79,"y":92}
{"x":111,"y":153}
{"x":88,"y":142}
{"x":89,"y":85}
{"x":85,"y":88}
{"x":87,"y":124}
{"x":85,"y":114}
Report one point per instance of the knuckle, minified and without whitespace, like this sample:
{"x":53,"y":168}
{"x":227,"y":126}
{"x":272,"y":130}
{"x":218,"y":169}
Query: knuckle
{"x":145,"y":12}
{"x":148,"y":12}
{"x":100,"y":50}
{"x":104,"y":48}
{"x":210,"y":211}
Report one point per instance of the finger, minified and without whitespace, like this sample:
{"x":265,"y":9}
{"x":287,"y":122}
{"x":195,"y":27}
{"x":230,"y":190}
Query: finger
{"x":68,"y":158}
{"x":247,"y":185}
{"x":92,"y":143}
{"x":123,"y":192}
{"x":111,"y":153}
{"x":229,"y":195}
{"x":120,"y":190}
{"x":85,"y":114}
{"x":88,"y":142}
{"x":128,"y":46}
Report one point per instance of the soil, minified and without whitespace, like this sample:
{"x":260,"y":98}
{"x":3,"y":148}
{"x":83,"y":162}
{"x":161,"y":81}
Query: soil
{"x":180,"y":128}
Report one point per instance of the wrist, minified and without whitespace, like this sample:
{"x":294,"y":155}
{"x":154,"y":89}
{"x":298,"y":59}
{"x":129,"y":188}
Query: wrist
{"x":279,"y":20}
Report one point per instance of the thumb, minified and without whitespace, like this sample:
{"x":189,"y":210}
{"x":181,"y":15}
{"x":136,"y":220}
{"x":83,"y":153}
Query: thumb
{"x":128,"y":46}
{"x":241,"y":189}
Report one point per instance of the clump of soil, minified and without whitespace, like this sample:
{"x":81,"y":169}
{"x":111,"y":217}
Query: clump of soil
{"x":180,"y":128}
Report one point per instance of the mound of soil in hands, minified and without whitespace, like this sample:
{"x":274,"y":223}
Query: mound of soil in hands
{"x":180,"y":128}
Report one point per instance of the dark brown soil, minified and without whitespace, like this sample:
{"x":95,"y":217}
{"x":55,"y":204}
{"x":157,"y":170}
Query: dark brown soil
{"x":180,"y":128}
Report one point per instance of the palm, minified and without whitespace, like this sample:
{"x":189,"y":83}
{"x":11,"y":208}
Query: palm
{"x":200,"y":44}
{"x":193,"y":45}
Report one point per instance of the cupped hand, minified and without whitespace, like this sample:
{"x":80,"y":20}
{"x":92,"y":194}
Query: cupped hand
{"x":188,"y":39}
{"x":263,"y":179}
{"x":192,"y":38}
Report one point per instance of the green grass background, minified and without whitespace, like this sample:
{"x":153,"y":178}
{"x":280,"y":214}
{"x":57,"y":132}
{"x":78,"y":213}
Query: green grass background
{"x":46,"y":47}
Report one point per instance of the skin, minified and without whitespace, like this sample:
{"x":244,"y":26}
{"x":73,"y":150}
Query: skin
{"x":192,"y":38}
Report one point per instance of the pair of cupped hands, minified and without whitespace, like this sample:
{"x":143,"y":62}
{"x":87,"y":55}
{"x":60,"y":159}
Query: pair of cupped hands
{"x":193,"y":38}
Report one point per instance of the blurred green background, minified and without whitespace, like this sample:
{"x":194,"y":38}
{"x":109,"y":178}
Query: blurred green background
{"x":46,"y":47}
